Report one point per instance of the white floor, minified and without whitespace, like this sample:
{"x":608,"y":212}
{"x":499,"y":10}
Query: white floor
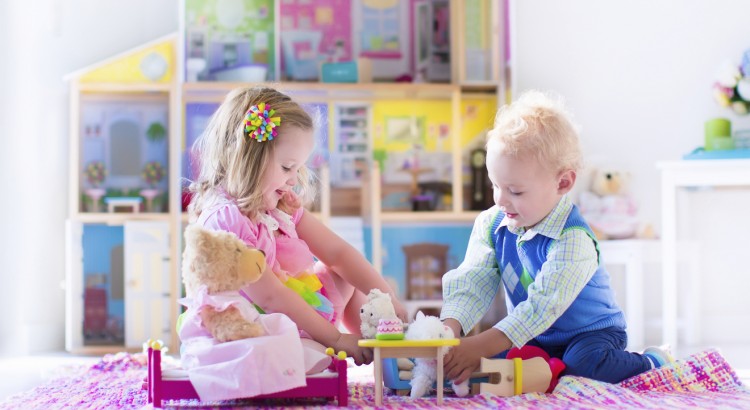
{"x":24,"y":373}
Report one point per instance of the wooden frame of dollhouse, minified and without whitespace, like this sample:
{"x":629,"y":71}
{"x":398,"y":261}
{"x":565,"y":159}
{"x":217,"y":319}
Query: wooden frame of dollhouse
{"x":179,"y":92}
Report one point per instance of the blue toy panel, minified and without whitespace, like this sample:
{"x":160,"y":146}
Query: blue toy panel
{"x":197,"y":116}
{"x":700,"y":153}
{"x":455,"y":235}
{"x":103,"y":270}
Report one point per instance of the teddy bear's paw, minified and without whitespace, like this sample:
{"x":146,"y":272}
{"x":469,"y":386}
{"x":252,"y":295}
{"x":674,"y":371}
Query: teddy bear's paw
{"x":248,"y":330}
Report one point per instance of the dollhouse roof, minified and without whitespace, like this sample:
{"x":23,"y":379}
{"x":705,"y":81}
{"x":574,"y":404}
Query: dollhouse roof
{"x":152,"y":62}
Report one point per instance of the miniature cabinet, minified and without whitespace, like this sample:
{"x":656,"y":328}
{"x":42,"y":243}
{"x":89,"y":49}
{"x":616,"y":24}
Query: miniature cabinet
{"x":351,"y":151}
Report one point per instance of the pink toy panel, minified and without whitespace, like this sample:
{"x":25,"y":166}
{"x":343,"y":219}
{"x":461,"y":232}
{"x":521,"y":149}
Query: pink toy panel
{"x":314,"y":31}
{"x":330,"y":384}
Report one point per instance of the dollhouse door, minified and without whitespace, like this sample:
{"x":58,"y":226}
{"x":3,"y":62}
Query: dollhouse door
{"x":147,"y":282}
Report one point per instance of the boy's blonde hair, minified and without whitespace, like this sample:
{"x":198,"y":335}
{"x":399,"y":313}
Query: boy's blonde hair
{"x":538,"y":125}
{"x":238,"y":165}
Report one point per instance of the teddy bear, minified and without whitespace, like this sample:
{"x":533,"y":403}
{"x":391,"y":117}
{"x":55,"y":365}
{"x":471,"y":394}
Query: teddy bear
{"x":378,"y":306}
{"x":424,"y":373}
{"x":607,"y":207}
{"x":215,"y":265}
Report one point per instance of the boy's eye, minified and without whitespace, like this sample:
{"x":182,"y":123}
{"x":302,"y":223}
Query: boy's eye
{"x":515,"y":193}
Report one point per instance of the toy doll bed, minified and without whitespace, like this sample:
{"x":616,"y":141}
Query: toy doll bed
{"x":173,"y":384}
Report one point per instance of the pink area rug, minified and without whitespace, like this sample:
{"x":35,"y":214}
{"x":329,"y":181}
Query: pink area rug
{"x":704,"y":380}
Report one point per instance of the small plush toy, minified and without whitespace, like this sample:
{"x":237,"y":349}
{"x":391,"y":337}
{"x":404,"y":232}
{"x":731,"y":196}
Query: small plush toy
{"x":608,"y":208}
{"x":525,"y":370}
{"x":425,"y":370}
{"x":215,"y":265}
{"x":378,"y":306}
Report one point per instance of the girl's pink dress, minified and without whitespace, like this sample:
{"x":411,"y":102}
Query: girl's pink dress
{"x":221,"y":371}
{"x":288,"y":256}
{"x":240,"y":368}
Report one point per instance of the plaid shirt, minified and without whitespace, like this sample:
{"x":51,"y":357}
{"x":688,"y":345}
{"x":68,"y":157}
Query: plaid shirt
{"x":572,"y":260}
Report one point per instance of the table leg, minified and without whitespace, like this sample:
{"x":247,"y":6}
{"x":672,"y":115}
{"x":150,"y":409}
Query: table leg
{"x":669,"y":260}
{"x":378,"y":377}
{"x":439,"y":370}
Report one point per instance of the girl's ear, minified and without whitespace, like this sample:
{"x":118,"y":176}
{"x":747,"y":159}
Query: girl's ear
{"x":565,"y":181}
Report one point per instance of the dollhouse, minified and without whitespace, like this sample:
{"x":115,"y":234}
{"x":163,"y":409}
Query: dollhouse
{"x":395,"y":152}
{"x":119,"y":275}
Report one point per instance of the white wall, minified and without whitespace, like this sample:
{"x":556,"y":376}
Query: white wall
{"x":637,"y":74}
{"x":40,"y":42}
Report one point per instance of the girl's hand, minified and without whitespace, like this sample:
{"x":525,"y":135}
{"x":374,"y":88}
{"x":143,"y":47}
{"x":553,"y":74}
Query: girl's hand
{"x":290,"y":202}
{"x":401,"y":312}
{"x":348,"y":343}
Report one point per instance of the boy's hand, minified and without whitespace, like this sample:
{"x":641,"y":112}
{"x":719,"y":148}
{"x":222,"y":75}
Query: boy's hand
{"x":462,"y":360}
{"x":348,"y":343}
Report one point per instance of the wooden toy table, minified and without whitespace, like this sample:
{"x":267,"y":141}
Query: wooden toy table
{"x":384,"y":349}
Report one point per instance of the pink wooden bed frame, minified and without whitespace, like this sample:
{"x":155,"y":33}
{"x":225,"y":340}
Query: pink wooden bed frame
{"x":330,"y":387}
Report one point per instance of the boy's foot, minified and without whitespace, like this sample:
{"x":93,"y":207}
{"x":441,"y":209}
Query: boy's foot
{"x":659,"y":355}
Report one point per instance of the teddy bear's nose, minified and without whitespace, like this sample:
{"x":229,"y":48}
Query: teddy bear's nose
{"x":608,"y":176}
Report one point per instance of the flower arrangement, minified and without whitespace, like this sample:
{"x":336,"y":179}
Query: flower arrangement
{"x":95,"y":173}
{"x":153,"y":172}
{"x":732,"y":86}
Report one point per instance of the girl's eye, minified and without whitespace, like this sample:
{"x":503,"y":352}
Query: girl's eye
{"x":515,"y":193}
{"x":286,"y":169}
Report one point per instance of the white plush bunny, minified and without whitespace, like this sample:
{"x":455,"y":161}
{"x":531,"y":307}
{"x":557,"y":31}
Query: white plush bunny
{"x":424,"y":373}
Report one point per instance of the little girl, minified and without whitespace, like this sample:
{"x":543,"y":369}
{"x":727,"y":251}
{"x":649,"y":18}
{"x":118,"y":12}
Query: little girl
{"x":253,"y":182}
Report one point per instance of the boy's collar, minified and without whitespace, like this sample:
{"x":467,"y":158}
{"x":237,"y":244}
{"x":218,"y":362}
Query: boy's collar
{"x":551,"y":226}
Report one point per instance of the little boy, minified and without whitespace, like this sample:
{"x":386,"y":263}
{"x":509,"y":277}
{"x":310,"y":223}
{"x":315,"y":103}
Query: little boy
{"x":535,"y":242}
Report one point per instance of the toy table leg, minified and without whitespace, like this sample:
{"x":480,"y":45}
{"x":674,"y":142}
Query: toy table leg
{"x":439,"y":375}
{"x":406,"y":351}
{"x":378,"y":376}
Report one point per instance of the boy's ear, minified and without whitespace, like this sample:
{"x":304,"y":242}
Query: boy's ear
{"x":565,"y":181}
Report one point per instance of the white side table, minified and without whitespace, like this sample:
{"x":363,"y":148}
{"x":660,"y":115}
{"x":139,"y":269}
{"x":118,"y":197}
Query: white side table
{"x":682,"y":174}
{"x":634,"y":255}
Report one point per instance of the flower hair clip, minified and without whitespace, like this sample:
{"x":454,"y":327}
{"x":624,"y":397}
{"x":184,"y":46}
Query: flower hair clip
{"x":260,"y":124}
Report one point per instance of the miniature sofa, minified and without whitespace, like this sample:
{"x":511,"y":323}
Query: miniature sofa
{"x":174,"y":384}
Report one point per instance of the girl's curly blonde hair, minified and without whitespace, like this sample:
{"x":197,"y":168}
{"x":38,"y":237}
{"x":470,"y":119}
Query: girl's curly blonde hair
{"x":237,"y":165}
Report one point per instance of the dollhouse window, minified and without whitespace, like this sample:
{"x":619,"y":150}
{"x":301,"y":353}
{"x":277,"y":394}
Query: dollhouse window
{"x":125,"y":149}
{"x":380,"y":34}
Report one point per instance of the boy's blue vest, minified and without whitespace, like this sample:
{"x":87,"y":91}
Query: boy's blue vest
{"x":520,"y":261}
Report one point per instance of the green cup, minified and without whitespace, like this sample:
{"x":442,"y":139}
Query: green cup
{"x":716,"y":130}
{"x":720,"y":143}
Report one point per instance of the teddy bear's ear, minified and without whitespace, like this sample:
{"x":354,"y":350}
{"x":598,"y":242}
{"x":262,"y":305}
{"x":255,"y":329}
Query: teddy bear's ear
{"x":420,"y":315}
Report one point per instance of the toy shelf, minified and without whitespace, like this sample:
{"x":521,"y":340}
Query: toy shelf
{"x":120,"y":217}
{"x":127,"y":88}
{"x":435,"y":216}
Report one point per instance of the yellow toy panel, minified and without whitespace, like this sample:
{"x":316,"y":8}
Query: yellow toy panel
{"x":154,"y":64}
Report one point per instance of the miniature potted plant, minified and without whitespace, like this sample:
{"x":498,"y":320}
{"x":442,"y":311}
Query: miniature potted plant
{"x":153,"y":173}
{"x":156,"y":132}
{"x":95,"y":173}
